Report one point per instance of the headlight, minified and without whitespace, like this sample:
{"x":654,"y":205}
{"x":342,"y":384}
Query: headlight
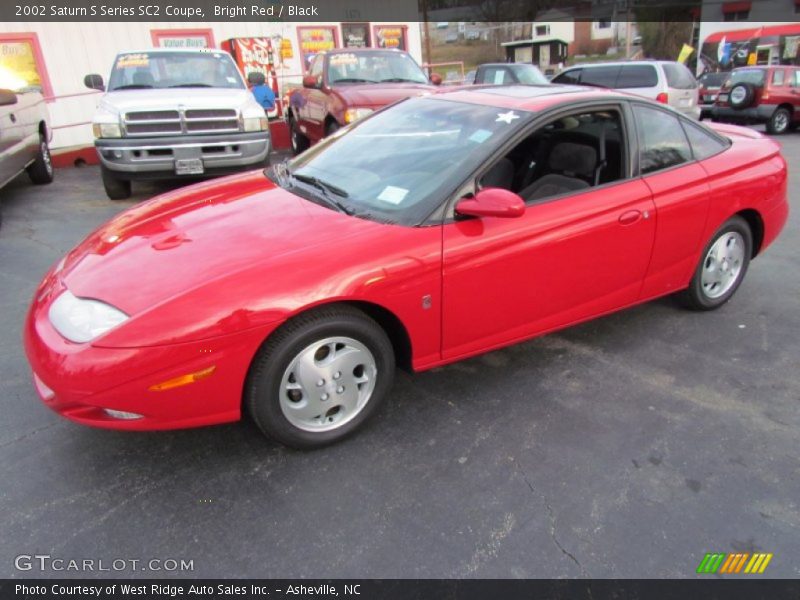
{"x":255,"y":124}
{"x":82,"y":320}
{"x":352,"y":115}
{"x":106,"y":130}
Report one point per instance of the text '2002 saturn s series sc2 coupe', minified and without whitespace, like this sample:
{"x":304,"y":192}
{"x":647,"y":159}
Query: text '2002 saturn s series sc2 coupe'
{"x":439,"y":228}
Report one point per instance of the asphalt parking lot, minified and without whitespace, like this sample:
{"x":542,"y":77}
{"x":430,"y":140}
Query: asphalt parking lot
{"x":626,"y":447}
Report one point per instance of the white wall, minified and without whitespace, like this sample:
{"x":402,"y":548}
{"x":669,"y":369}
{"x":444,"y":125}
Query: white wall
{"x":71,"y":50}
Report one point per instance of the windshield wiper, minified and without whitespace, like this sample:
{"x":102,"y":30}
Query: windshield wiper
{"x":181,"y":85}
{"x":327,"y":189}
{"x":400,"y":80}
{"x":133,"y":86}
{"x":354,"y":80}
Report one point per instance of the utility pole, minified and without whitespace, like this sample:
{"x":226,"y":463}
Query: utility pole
{"x":427,"y":31}
{"x":628,"y":29}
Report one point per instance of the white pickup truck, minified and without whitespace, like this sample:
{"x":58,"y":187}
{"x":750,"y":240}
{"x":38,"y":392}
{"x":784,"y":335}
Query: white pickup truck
{"x":175,"y":113}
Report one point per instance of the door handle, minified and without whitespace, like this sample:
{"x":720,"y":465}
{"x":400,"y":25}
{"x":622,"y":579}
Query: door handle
{"x":630,"y":217}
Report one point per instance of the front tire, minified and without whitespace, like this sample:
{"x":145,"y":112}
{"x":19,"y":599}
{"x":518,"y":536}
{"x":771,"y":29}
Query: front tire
{"x":116,"y":188}
{"x":722,"y":268}
{"x":300,"y":142}
{"x":779,"y":122}
{"x":320,"y":377}
{"x":41,"y":171}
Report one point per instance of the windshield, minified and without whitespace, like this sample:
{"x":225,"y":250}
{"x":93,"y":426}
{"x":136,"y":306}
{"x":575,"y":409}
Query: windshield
{"x":148,"y":70}
{"x":529,"y":75}
{"x":373,"y":67}
{"x":400,"y":164}
{"x":754,"y":76}
{"x":713,"y":79}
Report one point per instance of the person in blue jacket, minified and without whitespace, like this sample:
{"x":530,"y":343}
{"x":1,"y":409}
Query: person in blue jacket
{"x":261,"y":91}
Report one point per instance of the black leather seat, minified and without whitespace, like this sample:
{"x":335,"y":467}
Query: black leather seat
{"x":571,"y":167}
{"x":501,"y":175}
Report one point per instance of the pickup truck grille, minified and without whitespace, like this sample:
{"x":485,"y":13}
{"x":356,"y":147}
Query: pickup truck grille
{"x":173,"y":122}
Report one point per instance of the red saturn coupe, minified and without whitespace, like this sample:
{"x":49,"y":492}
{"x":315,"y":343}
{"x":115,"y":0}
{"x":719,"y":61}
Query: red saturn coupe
{"x":439,"y":228}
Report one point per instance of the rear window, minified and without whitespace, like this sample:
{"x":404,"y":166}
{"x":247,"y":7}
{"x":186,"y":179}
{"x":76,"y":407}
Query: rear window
{"x":679,"y":77}
{"x":637,"y":76}
{"x":713,"y":79}
{"x":754,"y":76}
{"x":600,"y":76}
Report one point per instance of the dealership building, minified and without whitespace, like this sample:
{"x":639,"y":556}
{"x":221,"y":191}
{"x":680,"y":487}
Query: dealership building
{"x":57,"y":56}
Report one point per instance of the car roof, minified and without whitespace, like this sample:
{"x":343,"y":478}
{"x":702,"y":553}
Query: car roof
{"x":528,"y":97}
{"x":181,"y":50}
{"x":617,"y":63}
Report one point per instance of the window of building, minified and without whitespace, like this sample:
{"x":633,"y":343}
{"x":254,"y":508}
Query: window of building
{"x":542,"y":30}
{"x":604,"y":24}
{"x":390,"y":36}
{"x":355,"y":35}
{"x":739,"y":15}
{"x":22,"y":65}
{"x":313,"y":40}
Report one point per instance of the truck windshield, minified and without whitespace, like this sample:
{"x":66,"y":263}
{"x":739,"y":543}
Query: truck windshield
{"x":373,"y":67}
{"x":148,"y":70}
{"x":398,"y":165}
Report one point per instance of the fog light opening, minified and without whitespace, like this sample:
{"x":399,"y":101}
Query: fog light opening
{"x":121,"y":414}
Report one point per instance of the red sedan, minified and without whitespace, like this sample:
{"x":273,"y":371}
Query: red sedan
{"x":434,"y":230}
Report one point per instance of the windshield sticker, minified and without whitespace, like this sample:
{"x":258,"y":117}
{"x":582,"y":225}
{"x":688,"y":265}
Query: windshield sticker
{"x":506,"y":117}
{"x":392,"y":194}
{"x":133,"y":60}
{"x":231,"y":79}
{"x":344,"y":59}
{"x":480,"y":136}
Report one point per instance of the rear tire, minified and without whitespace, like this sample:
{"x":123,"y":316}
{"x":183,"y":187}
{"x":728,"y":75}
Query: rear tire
{"x":320,"y":377}
{"x":116,"y":188}
{"x":741,"y":95}
{"x":779,"y":122}
{"x":722,"y":267}
{"x":41,"y":171}
{"x":300,"y":142}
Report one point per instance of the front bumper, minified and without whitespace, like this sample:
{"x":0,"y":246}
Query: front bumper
{"x":753,"y":114}
{"x":149,"y":158}
{"x":81,"y":381}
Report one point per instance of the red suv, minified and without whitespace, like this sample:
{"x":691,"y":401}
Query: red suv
{"x":768,"y":95}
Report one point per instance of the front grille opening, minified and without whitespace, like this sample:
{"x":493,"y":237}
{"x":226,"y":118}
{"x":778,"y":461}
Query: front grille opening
{"x":160,"y":152}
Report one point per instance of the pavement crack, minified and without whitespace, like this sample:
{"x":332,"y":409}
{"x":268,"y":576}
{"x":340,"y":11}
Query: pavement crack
{"x":553,"y":520}
{"x":28,"y":434}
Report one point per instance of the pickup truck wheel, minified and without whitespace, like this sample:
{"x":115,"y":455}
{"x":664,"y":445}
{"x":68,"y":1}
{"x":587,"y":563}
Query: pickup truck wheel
{"x":300,"y":142}
{"x":41,"y":170}
{"x":116,"y":188}
{"x":332,"y":128}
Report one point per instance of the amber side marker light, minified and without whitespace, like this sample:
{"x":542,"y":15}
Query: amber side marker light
{"x":183,"y":380}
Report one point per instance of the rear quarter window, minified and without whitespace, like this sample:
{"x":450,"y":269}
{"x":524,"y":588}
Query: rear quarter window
{"x":703,"y":143}
{"x":571,"y":76}
{"x":637,"y":76}
{"x":678,"y":76}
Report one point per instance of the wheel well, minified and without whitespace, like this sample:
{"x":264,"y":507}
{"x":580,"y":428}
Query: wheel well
{"x":756,"y":225}
{"x":330,"y":119}
{"x":394,"y":328}
{"x":788,"y":107}
{"x":43,"y":129}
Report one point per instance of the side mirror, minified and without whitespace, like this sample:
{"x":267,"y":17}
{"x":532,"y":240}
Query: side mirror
{"x":7,"y":97}
{"x":492,"y":202}
{"x":256,"y":78}
{"x":94,"y":82}
{"x":435,"y":79}
{"x":310,"y":81}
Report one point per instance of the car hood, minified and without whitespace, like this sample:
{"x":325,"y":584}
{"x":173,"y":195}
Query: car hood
{"x":147,"y":99}
{"x":376,"y":95}
{"x":199,"y":234}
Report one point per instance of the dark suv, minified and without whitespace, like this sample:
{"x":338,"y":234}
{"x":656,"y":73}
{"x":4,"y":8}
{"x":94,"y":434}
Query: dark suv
{"x":768,"y":95}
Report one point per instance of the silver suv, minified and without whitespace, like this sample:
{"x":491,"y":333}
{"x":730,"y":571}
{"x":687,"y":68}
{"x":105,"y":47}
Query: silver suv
{"x":175,"y":113}
{"x":664,"y":81}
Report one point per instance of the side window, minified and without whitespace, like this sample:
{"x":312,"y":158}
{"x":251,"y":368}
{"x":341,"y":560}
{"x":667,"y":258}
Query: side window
{"x":572,"y":76}
{"x":662,"y":143}
{"x":570,"y":154}
{"x":777,"y":77}
{"x":794,"y":81}
{"x":703,"y":143}
{"x":600,"y":76}
{"x":637,"y":76}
